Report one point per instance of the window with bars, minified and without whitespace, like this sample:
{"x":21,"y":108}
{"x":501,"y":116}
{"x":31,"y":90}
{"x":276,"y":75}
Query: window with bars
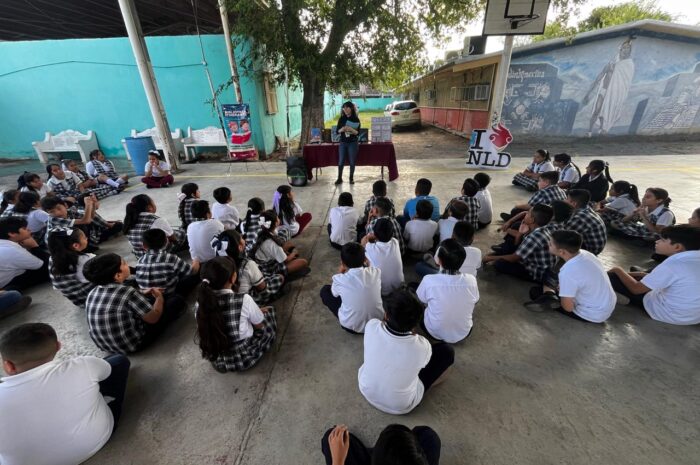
{"x":431,"y":94}
{"x":470,"y":93}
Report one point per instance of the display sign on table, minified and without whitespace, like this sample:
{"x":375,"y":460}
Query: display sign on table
{"x":381,"y":129}
{"x":486,"y":148}
{"x":315,"y":136}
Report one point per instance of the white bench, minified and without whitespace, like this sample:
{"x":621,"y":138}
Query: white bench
{"x":208,"y":137}
{"x":153,"y":133}
{"x":66,"y":141}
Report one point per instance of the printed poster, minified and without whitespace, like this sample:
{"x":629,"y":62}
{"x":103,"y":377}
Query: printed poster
{"x":237,"y":121}
{"x":486,"y":148}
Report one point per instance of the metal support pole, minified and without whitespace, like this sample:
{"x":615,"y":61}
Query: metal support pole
{"x":499,"y":90}
{"x":148,"y":79}
{"x":229,"y":50}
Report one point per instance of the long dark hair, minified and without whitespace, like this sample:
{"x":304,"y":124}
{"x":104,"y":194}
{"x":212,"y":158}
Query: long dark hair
{"x":657,"y":192}
{"x":189,"y":189}
{"x":30,"y":177}
{"x":353,"y":114}
{"x":212,"y":336}
{"x":265,"y":234}
{"x":565,"y":158}
{"x":48,"y":170}
{"x":286,"y":206}
{"x":255,"y":207}
{"x":93,"y":154}
{"x":230,"y":238}
{"x":64,"y":259}
{"x":624,"y":187}
{"x":26,"y":202}
{"x":544,"y":154}
{"x":9,"y":196}
{"x":600,"y":166}
{"x":139,"y":204}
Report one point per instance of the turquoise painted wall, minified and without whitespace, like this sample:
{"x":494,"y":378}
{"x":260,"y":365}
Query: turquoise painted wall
{"x":374,"y":104}
{"x":94,"y":84}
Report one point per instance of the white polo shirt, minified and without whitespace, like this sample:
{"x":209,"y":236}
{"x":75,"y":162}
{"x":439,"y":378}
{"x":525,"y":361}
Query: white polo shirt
{"x":663,"y":219}
{"x":163,"y":225}
{"x":37,"y":219}
{"x":387,"y":257}
{"x":388,"y":378}
{"x":485,"y":206}
{"x":360,"y":290}
{"x":419,"y":234}
{"x":450,"y":301}
{"x":159,"y":170}
{"x":446,"y":226}
{"x":675,"y":289}
{"x":343,"y":221}
{"x":226,"y":213}
{"x":249,"y":277}
{"x":54,"y":414}
{"x":269,"y":250}
{"x":584,"y":279}
{"x":15,"y":261}
{"x":43,"y":192}
{"x":250,"y":315}
{"x":472,"y":262}
{"x":621,"y":204}
{"x":199,"y":236}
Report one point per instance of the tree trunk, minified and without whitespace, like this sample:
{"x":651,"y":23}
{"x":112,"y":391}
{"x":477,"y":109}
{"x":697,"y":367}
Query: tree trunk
{"x":311,"y":107}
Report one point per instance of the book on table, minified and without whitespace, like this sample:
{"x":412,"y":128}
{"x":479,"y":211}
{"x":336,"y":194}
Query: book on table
{"x":315,"y":136}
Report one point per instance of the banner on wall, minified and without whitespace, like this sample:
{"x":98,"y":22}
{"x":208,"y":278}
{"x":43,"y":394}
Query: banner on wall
{"x":237,"y":121}
{"x":486,"y":148}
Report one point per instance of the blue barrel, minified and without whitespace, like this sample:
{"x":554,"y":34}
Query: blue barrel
{"x":138,"y":148}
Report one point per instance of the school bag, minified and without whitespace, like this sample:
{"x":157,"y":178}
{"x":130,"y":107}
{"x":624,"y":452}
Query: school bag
{"x":296,"y":171}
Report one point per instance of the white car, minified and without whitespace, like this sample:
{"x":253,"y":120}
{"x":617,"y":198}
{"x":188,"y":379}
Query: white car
{"x":403,"y":113}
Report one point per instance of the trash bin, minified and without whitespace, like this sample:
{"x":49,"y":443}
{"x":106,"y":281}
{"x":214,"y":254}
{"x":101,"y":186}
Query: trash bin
{"x":138,"y":148}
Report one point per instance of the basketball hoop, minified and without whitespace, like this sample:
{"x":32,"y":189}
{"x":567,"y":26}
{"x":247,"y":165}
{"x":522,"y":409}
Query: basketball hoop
{"x":515,"y":17}
{"x":519,"y":21}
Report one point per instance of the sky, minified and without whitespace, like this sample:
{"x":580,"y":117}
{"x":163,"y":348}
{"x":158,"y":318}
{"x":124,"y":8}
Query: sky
{"x":686,"y":11}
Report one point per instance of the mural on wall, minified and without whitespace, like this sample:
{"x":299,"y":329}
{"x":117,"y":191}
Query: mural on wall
{"x":647,"y":85}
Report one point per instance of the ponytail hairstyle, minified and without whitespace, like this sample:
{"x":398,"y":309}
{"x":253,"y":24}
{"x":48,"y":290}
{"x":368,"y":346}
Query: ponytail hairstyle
{"x":283,"y":205}
{"x":64,"y":258}
{"x":48,"y":170}
{"x":26,"y":202}
{"x":10,"y":196}
{"x":657,"y":192}
{"x":226,"y":245}
{"x":30,"y":177}
{"x":600,"y":166}
{"x":266,"y":231}
{"x":565,"y":159}
{"x":187,"y":191}
{"x":544,"y":154}
{"x":212,"y":335}
{"x":624,"y":187}
{"x":255,"y":207}
{"x":139,"y":204}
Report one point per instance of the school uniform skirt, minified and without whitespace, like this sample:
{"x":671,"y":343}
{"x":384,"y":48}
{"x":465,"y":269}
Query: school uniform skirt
{"x":523,"y":181}
{"x":608,"y":216}
{"x":246,"y":353}
{"x":272,"y":267}
{"x":273,"y":286}
{"x":634,"y":229}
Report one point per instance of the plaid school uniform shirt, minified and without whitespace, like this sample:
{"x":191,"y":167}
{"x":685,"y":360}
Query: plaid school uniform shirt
{"x":64,"y":187}
{"x":159,"y":268}
{"x":547,"y":195}
{"x":369,"y":205}
{"x":105,"y":167}
{"x":396,"y":231}
{"x":474,"y":205}
{"x":101,"y":190}
{"x":534,"y":253}
{"x":69,"y":285}
{"x":250,"y":230}
{"x":591,"y":227}
{"x":115,"y":317}
{"x":186,"y":215}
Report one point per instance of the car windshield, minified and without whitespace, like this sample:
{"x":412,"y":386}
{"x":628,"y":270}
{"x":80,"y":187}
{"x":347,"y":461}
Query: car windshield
{"x":405,"y":106}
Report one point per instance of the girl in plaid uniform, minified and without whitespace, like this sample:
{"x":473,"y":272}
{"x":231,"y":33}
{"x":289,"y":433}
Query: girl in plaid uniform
{"x":33,"y":183}
{"x":233,"y":333}
{"x":569,"y":174}
{"x":103,"y":170}
{"x":541,"y":163}
{"x":189,"y":192}
{"x":63,"y":187}
{"x":97,"y":228}
{"x":623,"y":201}
{"x":250,"y":227}
{"x":293,"y":219}
{"x":140,"y":217}
{"x":263,"y":288}
{"x":469,"y":190}
{"x":647,"y":221}
{"x":68,"y":257}
{"x":9,"y":199}
{"x":273,"y":255}
{"x":98,"y":186}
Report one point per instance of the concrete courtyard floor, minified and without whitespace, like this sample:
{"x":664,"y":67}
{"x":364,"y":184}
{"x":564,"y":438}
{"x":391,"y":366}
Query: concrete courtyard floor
{"x":526,"y":388}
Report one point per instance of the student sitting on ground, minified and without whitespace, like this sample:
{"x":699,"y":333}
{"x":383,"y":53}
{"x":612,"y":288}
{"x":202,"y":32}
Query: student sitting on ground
{"x":233,"y":333}
{"x":649,"y":219}
{"x":293,"y":220}
{"x":55,"y":411}
{"x":140,"y":217}
{"x":569,"y":174}
{"x":160,"y":269}
{"x":12,"y":302}
{"x":28,"y":207}
{"x":463,"y":233}
{"x":623,"y":201}
{"x":400,"y":365}
{"x":189,"y":193}
{"x":423,"y":188}
{"x":100,"y":168}
{"x":397,"y":444}
{"x":420,"y":231}
{"x":541,"y":163}
{"x":97,"y":228}
{"x":586,"y":222}
{"x":516,"y":228}
{"x":342,"y":221}
{"x":9,"y":199}
{"x":596,"y":180}
{"x":33,"y":183}
{"x":263,"y":288}
{"x":382,"y":208}
{"x":62,"y":186}
{"x":99,"y":186}
{"x":378,"y":192}
{"x":457,"y":211}
{"x":222,"y":209}
{"x":23,"y":262}
{"x":485,"y":215}
{"x":354,"y":297}
{"x":671,"y":292}
{"x":201,"y":231}
{"x":250,"y":226}
{"x":273,"y":255}
{"x":470,"y":189}
{"x":383,"y":252}
{"x":532,"y":258}
{"x":585,"y":291}
{"x":120,"y":318}
{"x":449,"y":296}
{"x":548,"y":192}
{"x":157,"y":171}
{"x":68,"y":257}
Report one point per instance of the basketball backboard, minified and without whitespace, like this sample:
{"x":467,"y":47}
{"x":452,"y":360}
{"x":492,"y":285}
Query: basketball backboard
{"x":515,"y":17}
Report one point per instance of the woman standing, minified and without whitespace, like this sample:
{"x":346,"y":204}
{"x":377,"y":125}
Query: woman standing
{"x":348,"y":128}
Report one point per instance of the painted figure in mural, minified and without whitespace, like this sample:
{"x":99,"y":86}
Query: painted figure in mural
{"x":610,"y":88}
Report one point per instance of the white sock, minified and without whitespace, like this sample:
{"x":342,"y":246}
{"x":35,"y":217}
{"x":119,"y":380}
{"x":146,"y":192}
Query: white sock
{"x":113,"y":183}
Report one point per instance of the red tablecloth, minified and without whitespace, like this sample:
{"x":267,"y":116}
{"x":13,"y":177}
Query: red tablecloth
{"x":370,"y":154}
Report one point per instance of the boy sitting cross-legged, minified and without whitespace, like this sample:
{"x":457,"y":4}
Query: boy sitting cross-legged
{"x":55,"y":412}
{"x":400,"y":365}
{"x":450,"y":295}
{"x":355,"y":295}
{"x":158,"y":268}
{"x":120,"y":318}
{"x":420,"y":231}
{"x":382,"y":251}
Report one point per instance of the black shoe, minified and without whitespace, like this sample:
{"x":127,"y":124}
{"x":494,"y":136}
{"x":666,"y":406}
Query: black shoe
{"x":148,"y":186}
{"x":20,"y":305}
{"x":497,"y":250}
{"x":352,"y":181}
{"x":536,"y":292}
{"x":338,"y":181}
{"x":506,"y":216}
